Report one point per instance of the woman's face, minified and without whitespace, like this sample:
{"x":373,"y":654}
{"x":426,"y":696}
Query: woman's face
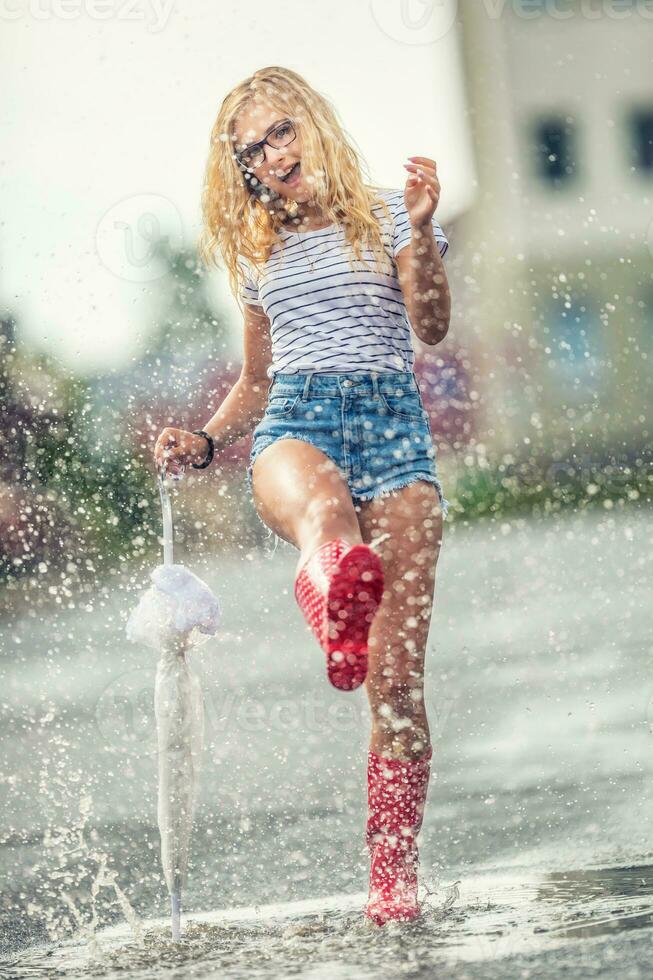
{"x":257,"y":121}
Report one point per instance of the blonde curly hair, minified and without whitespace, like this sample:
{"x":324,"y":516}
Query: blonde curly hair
{"x":237,"y":222}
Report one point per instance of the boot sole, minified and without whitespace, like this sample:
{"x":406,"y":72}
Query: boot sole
{"x":355,"y":593}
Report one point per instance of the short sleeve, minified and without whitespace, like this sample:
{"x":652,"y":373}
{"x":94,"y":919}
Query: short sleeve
{"x":402,"y":233}
{"x":249,"y":289}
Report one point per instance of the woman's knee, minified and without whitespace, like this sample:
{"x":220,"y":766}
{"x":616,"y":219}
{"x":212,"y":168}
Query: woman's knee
{"x":327,"y":507}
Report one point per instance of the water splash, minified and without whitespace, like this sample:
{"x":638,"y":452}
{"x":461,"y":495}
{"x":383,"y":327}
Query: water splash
{"x":77,"y":873}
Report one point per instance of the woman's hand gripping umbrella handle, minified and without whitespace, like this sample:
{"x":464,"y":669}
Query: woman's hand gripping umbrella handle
{"x":166,"y":510}
{"x":174,"y":450}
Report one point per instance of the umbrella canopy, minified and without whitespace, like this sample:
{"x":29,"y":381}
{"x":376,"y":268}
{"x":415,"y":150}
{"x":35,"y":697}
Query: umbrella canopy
{"x":177,"y":612}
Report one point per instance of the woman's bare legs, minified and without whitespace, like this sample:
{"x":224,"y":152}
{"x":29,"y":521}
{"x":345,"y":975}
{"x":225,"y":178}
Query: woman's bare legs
{"x":301,"y":495}
{"x":397,"y":640}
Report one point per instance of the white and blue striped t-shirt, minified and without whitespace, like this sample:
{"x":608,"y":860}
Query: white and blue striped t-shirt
{"x":328,"y":318}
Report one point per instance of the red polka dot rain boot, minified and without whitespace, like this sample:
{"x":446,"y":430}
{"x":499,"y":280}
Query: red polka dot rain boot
{"x":339,"y":589}
{"x":396,"y":794}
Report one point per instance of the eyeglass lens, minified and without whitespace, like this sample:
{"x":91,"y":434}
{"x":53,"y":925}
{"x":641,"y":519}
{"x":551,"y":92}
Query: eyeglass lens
{"x":279,"y":137}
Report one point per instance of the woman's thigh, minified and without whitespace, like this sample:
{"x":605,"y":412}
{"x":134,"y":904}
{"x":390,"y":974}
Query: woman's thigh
{"x":412,"y":519}
{"x":294,"y":482}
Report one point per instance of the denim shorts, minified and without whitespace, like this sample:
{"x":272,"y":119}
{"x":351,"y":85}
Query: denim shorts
{"x":372,"y":425}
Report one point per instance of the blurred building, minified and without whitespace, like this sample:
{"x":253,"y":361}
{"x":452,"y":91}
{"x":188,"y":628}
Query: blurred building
{"x":552,"y":264}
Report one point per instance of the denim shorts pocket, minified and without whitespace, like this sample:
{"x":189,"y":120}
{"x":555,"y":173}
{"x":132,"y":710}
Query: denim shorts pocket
{"x":407,"y":406}
{"x":280,"y":406}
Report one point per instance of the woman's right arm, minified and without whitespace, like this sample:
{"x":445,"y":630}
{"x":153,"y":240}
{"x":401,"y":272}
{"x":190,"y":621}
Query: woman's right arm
{"x":243,"y":407}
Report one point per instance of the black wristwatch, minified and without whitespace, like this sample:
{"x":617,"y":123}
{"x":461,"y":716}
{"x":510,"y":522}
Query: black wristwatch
{"x":211,"y":450}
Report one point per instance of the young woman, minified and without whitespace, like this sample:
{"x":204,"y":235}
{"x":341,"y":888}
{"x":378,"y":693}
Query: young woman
{"x":333,"y":272}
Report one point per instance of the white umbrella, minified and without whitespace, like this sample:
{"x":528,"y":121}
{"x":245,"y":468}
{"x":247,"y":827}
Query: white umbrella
{"x":176,"y":613}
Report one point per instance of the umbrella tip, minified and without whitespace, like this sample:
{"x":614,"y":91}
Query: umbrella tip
{"x":175,"y":909}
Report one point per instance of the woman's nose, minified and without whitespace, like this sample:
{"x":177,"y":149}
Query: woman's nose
{"x":275,"y":159}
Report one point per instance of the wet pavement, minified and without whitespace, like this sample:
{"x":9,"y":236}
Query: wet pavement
{"x":536,"y":845}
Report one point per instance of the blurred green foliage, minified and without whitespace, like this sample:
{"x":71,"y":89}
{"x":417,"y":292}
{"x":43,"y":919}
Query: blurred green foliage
{"x":539,"y":487}
{"x":77,"y":487}
{"x":65,"y":504}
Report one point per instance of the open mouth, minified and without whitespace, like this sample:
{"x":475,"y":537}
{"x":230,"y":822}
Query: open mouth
{"x":292,"y":175}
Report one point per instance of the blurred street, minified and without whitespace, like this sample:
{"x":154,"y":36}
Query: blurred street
{"x":541,"y":707}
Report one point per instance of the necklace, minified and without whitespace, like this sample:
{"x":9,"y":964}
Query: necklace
{"x":308,"y":258}
{"x":292,"y":208}
{"x":310,"y":261}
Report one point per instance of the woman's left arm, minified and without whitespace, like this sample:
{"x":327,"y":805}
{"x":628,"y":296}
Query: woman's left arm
{"x":422,"y":276}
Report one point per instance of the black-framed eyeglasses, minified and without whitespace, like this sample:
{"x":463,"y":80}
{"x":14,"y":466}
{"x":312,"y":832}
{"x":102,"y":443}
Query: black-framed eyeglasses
{"x":280,"y":135}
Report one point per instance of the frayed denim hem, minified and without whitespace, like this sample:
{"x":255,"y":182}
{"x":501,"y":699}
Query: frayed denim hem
{"x":385,"y":490}
{"x":399,"y":483}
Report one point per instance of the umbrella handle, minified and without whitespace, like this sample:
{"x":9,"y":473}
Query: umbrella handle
{"x":175,"y":914}
{"x":166,"y":509}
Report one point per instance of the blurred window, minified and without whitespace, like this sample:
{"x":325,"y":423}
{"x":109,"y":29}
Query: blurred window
{"x":641,"y":127}
{"x":574,"y":339}
{"x":555,"y":154}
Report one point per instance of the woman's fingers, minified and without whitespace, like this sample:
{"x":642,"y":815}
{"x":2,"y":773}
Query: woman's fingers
{"x":424,"y":168}
{"x":425,"y":161}
{"x":167,"y":446}
{"x":428,"y":178}
{"x":177,"y":446}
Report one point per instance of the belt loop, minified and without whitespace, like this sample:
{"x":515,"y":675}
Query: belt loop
{"x":307,"y":385}
{"x":375,"y":384}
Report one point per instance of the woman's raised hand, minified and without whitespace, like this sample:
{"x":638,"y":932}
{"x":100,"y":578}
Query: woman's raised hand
{"x":422,"y":190}
{"x":178,"y":448}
